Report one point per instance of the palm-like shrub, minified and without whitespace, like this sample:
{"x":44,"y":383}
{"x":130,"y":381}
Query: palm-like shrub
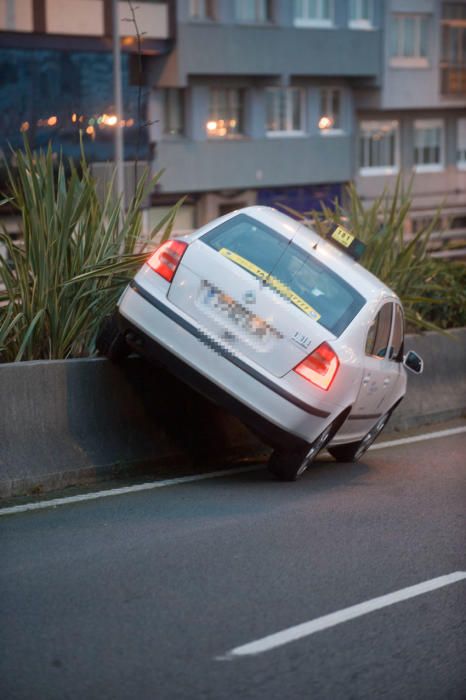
{"x":76,"y":254}
{"x":432,"y":291}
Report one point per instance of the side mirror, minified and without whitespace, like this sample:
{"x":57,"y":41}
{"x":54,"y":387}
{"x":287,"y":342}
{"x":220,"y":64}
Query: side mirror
{"x":413,"y":362}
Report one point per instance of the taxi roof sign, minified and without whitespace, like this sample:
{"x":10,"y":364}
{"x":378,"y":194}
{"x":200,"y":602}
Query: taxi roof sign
{"x":345,"y":240}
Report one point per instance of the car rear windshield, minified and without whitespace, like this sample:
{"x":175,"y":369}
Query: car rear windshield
{"x":294,"y":273}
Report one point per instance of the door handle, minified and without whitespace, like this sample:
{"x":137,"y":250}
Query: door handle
{"x":366,"y":380}
{"x":386,"y":381}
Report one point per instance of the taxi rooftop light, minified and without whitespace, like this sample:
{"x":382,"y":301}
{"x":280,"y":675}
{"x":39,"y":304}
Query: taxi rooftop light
{"x":343,"y":239}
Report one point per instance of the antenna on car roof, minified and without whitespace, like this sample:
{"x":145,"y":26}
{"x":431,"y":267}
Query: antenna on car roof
{"x":264,"y":281}
{"x":280,"y":257}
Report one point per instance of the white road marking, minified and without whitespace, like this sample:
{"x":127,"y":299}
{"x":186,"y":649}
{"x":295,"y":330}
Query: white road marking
{"x":305,"y":629}
{"x":39,"y":505}
{"x":419,"y":438}
{"x":148,"y":486}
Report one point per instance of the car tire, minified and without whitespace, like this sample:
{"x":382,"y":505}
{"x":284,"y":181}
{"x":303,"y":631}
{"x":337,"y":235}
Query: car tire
{"x":287,"y":465}
{"x":110,"y":342}
{"x":352,"y":451}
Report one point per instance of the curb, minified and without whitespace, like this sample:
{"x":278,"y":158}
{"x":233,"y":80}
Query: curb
{"x":71,"y":422}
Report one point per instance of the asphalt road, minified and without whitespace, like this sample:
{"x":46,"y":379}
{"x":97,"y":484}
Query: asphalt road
{"x":137,"y":596}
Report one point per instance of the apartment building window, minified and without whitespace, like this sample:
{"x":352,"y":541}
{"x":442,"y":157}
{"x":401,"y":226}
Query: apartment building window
{"x":253,"y":11}
{"x":200,"y":10}
{"x":378,"y":147}
{"x":428,"y":144}
{"x":285,"y":111}
{"x":330,"y":110}
{"x":174,"y":112}
{"x":409,"y":36}
{"x":313,"y":13}
{"x":453,"y":62}
{"x":17,"y":16}
{"x":226,"y":109}
{"x":461,"y":144}
{"x":361,"y":14}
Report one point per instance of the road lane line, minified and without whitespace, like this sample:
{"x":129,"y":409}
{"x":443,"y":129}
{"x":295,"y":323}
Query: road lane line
{"x":148,"y":486}
{"x":305,"y":629}
{"x":418,"y":438}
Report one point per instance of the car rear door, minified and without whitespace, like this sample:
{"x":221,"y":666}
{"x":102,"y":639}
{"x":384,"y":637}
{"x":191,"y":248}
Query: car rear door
{"x":380,"y":373}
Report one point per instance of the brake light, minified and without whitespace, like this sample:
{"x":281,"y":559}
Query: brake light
{"x":320,"y":367}
{"x":166,"y":258}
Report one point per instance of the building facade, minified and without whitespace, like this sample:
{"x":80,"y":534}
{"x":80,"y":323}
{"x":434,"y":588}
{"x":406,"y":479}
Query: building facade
{"x":269,"y":101}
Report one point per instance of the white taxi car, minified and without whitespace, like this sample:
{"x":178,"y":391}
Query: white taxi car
{"x":283,"y":328}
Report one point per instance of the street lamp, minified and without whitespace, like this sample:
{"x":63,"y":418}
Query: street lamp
{"x":117,"y":97}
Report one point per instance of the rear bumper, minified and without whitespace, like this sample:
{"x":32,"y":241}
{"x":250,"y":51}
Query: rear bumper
{"x":157,"y":330}
{"x":155,"y":352}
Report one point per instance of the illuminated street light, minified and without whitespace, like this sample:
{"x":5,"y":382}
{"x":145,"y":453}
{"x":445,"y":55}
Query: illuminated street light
{"x":119,"y":166}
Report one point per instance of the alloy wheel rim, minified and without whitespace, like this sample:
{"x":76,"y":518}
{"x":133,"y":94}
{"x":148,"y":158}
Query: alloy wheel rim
{"x":315,"y":448}
{"x":371,"y":436}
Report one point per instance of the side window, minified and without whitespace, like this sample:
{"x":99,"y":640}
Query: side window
{"x":379,"y":332}
{"x":396,"y":349}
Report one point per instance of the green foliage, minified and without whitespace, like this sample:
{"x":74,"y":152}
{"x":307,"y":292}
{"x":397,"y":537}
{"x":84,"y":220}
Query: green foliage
{"x":432,"y":291}
{"x":77,"y":253}
{"x":446,"y":305}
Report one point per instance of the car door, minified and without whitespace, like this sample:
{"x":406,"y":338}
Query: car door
{"x":378,"y":377}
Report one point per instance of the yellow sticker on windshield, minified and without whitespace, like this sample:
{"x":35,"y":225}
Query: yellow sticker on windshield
{"x":341,"y":235}
{"x":279,"y":286}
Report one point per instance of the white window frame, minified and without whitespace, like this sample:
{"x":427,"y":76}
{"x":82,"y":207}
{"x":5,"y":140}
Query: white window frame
{"x":430,"y":124}
{"x":319,"y":20}
{"x":286,"y":94}
{"x":416,"y":60}
{"x":259,"y":16}
{"x":332,"y":131}
{"x":235,"y":96}
{"x":371,"y":124}
{"x":356,"y":20}
{"x":461,"y":143}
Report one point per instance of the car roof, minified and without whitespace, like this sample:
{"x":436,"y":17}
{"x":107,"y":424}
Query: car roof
{"x":336,"y":259}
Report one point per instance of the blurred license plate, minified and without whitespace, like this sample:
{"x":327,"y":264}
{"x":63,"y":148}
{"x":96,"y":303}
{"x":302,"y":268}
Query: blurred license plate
{"x":230,"y":309}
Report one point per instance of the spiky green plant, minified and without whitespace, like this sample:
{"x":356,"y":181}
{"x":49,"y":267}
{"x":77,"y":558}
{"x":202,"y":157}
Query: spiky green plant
{"x":429,"y":290}
{"x":76,"y":254}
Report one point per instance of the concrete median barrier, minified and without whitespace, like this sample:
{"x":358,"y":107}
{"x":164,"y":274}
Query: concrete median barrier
{"x":76,"y":421}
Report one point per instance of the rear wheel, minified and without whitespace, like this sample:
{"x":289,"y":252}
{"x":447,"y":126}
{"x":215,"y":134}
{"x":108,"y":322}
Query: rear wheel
{"x":289,"y":466}
{"x":352,"y":451}
{"x":110,"y":342}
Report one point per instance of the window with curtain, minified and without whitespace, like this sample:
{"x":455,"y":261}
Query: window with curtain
{"x":226,"y":110}
{"x":313,"y":13}
{"x":330,"y":110}
{"x":428,"y":144}
{"x":284,"y":110}
{"x":378,"y":147}
{"x":174,"y":112}
{"x":361,"y":14}
{"x":461,"y":144}
{"x":253,"y":11}
{"x":201,"y":10}
{"x":409,"y":40}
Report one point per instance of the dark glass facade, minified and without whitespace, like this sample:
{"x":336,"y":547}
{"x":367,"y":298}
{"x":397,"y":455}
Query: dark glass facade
{"x":57,"y":95}
{"x":302,"y":199}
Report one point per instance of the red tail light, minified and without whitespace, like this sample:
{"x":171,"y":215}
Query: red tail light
{"x":166,"y":258}
{"x":320,"y":367}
